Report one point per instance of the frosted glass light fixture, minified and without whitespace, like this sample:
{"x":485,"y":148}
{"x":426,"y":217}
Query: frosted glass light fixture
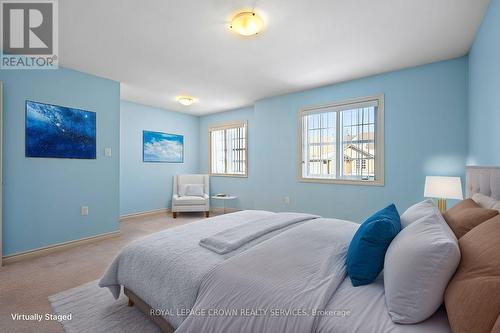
{"x":246,"y":23}
{"x":186,"y":100}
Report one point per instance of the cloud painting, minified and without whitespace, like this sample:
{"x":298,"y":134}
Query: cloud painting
{"x":162,"y":147}
{"x":59,"y":132}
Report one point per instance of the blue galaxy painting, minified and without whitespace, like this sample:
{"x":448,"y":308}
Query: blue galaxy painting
{"x":60,"y":132}
{"x":162,"y":147}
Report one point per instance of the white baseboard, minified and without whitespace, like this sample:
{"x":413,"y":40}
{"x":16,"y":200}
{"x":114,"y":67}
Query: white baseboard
{"x":57,"y":247}
{"x":160,"y":211}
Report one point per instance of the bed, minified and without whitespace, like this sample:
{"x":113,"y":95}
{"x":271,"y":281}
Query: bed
{"x":165,"y":275}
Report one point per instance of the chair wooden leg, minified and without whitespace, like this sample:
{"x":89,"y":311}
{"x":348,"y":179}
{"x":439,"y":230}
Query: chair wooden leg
{"x":130,"y":302}
{"x":174,"y":214}
{"x":207,"y":213}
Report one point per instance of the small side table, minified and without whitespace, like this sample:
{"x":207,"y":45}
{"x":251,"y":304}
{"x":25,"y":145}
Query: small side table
{"x":224,"y":199}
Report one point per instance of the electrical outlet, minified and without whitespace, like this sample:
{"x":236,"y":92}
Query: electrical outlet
{"x":84,"y":210}
{"x":286,"y":200}
{"x":107,"y":152}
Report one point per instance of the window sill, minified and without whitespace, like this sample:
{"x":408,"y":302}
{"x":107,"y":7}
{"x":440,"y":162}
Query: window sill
{"x":228,"y":175}
{"x":342,"y":181}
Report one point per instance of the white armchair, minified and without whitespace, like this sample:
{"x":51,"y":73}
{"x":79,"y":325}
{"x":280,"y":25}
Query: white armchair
{"x":189,"y":203}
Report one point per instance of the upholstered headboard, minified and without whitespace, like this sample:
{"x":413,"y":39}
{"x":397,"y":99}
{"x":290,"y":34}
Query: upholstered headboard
{"x":485,"y":180}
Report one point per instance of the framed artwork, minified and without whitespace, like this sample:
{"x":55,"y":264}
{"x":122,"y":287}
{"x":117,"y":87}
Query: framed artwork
{"x":162,"y":147}
{"x":59,"y":131}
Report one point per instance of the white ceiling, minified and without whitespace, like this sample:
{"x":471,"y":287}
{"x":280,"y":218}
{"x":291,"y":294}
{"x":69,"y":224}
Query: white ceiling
{"x":159,"y":49}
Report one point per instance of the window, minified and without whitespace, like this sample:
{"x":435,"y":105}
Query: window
{"x":228,"y":149}
{"x":343,"y":142}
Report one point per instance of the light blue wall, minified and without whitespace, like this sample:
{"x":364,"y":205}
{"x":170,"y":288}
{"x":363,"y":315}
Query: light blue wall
{"x":425,"y":134}
{"x":484,"y":91}
{"x":148,"y":186}
{"x":242,"y":187}
{"x":42,"y":196}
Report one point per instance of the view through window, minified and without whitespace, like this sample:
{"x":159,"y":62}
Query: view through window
{"x":343,"y":141}
{"x":228,"y":149}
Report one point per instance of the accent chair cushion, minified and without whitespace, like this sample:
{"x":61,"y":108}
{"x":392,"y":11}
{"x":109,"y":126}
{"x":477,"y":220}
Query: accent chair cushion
{"x":418,"y":265}
{"x":195,"y":190}
{"x":182,"y":189}
{"x":189,"y":200}
{"x":365,"y":256}
{"x":183,"y":181}
{"x":466,"y":215}
{"x":472,"y":298}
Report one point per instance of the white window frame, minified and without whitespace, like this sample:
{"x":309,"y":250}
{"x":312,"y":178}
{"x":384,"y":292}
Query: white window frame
{"x":379,"y":140}
{"x":225,"y":126}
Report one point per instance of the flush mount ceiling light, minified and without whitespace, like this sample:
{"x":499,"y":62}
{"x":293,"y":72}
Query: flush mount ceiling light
{"x":246,"y":23}
{"x":186,"y":100}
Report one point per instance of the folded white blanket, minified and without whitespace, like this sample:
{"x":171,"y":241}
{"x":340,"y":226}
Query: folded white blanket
{"x":235,"y":237}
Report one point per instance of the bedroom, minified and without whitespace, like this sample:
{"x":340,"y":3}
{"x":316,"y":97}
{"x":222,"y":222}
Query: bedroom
{"x":400,"y":92}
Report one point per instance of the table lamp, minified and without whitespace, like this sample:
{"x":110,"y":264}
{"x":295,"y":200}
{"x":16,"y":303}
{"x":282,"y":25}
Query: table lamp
{"x":443,"y":188}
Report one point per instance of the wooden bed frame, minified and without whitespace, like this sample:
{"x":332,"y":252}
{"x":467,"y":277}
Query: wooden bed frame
{"x":144,"y":307}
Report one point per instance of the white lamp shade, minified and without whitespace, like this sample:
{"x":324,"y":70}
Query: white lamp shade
{"x":443,"y":187}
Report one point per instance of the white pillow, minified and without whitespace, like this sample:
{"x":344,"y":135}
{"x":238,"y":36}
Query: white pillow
{"x":486,"y":201}
{"x":182,"y":189}
{"x":418,"y":266}
{"x":195,"y":190}
{"x":417,"y":211}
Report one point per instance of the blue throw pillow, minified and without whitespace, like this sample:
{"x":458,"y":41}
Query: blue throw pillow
{"x":365,"y":257}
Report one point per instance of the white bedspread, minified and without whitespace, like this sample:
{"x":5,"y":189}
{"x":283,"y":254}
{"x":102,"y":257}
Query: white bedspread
{"x":165,"y":269}
{"x":284,"y":280}
{"x":299,"y":271}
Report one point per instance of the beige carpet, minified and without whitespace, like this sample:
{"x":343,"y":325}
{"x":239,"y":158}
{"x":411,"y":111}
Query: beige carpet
{"x":26,"y":285}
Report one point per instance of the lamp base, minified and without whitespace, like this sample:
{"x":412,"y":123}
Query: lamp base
{"x":442,"y":205}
